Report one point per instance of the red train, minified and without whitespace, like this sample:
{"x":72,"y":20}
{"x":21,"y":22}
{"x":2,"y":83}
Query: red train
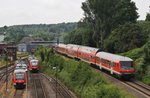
{"x":115,"y":64}
{"x":19,"y":78}
{"x":34,"y":65}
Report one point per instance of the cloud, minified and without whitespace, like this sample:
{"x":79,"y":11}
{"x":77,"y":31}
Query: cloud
{"x":39,"y":11}
{"x":48,"y":11}
{"x":143,"y":8}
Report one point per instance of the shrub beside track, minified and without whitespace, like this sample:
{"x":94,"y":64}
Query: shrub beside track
{"x":78,"y":76}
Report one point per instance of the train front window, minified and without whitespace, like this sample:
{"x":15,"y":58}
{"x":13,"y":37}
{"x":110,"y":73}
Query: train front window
{"x":19,"y":76}
{"x":34,"y":63}
{"x":126,"y":65}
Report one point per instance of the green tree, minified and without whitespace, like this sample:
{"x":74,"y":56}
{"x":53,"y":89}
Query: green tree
{"x":80,"y":36}
{"x":105,"y":15}
{"x":147,"y":51}
{"x":147,"y":17}
{"x":5,"y":27}
{"x":74,"y":38}
{"x":47,"y":32}
{"x":125,"y":38}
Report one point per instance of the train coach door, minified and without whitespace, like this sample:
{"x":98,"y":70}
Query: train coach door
{"x":111,"y":67}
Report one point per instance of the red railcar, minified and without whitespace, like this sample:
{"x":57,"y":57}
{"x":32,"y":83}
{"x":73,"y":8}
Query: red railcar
{"x":87,"y":54}
{"x":116,"y":64}
{"x":19,"y":78}
{"x":120,"y":65}
{"x":72,"y":50}
{"x":61,"y":48}
{"x":34,"y":65}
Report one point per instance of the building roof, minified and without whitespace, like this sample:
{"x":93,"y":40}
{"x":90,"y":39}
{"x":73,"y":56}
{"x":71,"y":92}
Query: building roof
{"x":38,"y":39}
{"x":26,"y":40}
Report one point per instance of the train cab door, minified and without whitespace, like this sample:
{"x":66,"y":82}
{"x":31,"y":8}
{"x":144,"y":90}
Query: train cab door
{"x":113,"y":67}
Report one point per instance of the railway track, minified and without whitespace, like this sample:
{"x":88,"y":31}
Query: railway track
{"x":137,"y":88}
{"x":3,"y":76}
{"x":38,"y":87}
{"x":140,"y":87}
{"x":18,"y":93}
{"x":58,"y":88}
{"x":3,"y":72}
{"x":10,"y":68}
{"x":2,"y":68}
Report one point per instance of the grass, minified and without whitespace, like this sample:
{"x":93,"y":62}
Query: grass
{"x":80,"y":78}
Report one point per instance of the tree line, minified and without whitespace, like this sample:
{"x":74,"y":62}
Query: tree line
{"x":46,"y":31}
{"x":110,"y":25}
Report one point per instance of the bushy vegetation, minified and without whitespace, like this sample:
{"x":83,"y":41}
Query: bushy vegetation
{"x":80,"y":36}
{"x":125,"y":38}
{"x":112,"y":26}
{"x":142,"y":63}
{"x":147,"y":17}
{"x":45,"y":31}
{"x":78,"y":76}
{"x":101,"y":17}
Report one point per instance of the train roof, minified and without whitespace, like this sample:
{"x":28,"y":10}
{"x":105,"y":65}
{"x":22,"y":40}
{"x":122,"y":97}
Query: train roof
{"x":19,"y":70}
{"x":112,"y":57}
{"x":72,"y":46}
{"x":62,"y":45}
{"x":34,"y":60}
{"x":87,"y":49}
{"x":23,"y":64}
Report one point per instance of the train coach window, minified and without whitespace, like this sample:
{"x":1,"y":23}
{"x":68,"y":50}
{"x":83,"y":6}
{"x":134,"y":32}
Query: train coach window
{"x":103,"y":61}
{"x":97,"y":59}
{"x":92,"y":57}
{"x":108,"y":62}
{"x":113,"y":64}
{"x":19,"y":76}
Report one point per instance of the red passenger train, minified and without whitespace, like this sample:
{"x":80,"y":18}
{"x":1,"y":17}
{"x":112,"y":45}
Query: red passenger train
{"x":34,"y":65}
{"x":115,"y":64}
{"x":19,"y":78}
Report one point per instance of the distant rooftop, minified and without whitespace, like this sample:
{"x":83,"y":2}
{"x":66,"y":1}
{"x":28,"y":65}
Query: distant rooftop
{"x":38,"y":39}
{"x":26,"y":40}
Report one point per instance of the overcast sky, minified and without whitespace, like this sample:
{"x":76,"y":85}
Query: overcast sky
{"x":16,"y":12}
